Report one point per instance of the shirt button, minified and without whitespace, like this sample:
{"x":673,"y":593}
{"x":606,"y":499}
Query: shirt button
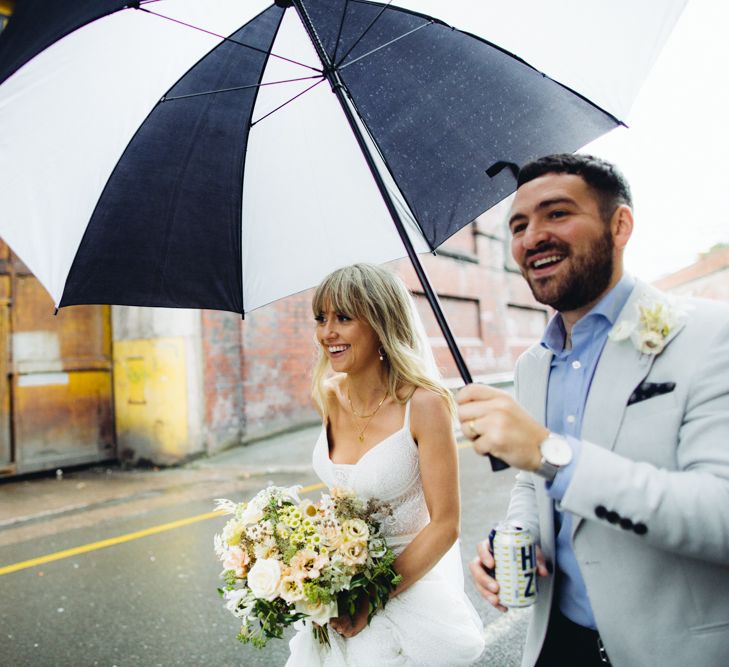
{"x":570,"y":419}
{"x":576,"y":365}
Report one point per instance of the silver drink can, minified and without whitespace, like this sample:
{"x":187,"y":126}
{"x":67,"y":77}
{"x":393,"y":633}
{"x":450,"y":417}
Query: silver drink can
{"x":515,"y":555}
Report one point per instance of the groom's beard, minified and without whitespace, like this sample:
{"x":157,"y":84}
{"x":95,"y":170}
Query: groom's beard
{"x":587,"y":277}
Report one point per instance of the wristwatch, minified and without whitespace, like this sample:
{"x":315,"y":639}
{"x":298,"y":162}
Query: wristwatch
{"x":556,"y":454}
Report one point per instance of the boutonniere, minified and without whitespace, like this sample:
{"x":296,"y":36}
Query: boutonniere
{"x":649,"y":333}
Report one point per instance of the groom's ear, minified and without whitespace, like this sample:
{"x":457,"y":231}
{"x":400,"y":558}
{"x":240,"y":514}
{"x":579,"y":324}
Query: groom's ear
{"x":621,"y":225}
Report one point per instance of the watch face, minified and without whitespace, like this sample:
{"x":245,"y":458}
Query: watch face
{"x":556,"y":451}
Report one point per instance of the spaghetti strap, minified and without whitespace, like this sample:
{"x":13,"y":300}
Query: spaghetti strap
{"x":406,"y":422}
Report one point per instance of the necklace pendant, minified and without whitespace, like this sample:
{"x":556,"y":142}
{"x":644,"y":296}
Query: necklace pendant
{"x":361,"y":437}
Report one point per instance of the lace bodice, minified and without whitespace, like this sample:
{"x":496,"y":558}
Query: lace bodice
{"x":390,"y":472}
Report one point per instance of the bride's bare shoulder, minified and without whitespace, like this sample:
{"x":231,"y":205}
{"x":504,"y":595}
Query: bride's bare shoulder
{"x":429,"y":409}
{"x":425,"y":399}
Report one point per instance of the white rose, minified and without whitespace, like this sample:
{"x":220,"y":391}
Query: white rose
{"x":264,"y":578}
{"x":651,"y":342}
{"x":319,"y":612}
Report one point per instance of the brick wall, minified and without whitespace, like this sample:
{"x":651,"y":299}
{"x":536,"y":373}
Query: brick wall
{"x":278,"y":355}
{"x":258,"y":371}
{"x":224,"y":415}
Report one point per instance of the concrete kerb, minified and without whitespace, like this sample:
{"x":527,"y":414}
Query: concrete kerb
{"x":43,"y":498}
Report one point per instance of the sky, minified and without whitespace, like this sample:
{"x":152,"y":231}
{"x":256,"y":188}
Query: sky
{"x":675,"y":152}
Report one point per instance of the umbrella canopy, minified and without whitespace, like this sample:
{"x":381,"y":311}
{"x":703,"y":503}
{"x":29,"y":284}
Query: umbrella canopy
{"x":179,"y":153}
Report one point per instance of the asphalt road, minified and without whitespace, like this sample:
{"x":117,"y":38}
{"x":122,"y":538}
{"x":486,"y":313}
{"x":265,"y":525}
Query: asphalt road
{"x":152,"y":600}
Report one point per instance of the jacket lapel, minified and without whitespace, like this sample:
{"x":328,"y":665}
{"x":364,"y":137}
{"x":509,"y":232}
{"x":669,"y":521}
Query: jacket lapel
{"x":620,"y":370}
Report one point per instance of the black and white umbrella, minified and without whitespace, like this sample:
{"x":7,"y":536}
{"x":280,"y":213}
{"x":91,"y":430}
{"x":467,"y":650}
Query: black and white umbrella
{"x":226,"y":153}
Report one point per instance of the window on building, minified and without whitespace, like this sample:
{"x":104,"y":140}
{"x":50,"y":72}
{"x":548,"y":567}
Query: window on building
{"x":525,"y":325}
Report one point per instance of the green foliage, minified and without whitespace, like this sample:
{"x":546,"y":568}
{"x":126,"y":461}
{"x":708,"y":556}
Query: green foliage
{"x":376,"y":585}
{"x":273,"y":617}
{"x":315,"y":593}
{"x":230,"y":579}
{"x":289,"y":550}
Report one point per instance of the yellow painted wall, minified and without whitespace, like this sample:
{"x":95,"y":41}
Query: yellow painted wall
{"x":150,"y":398}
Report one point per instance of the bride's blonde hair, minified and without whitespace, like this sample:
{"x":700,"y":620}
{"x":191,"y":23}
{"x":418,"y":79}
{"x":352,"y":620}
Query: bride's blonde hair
{"x":377,"y":296}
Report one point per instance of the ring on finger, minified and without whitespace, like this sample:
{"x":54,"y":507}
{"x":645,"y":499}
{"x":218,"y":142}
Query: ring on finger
{"x":471,"y":431}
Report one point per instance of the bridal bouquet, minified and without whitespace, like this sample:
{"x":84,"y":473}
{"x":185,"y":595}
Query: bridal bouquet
{"x":287,"y":559}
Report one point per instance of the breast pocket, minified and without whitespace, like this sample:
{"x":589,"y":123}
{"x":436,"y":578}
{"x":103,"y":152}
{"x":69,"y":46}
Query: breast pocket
{"x":667,"y":402}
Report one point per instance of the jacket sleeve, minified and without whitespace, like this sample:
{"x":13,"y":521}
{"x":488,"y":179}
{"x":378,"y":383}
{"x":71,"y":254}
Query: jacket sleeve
{"x":680,"y":501}
{"x":522,"y":503}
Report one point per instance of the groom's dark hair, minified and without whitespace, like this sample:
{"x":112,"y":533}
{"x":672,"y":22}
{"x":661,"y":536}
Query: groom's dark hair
{"x":604,"y":178}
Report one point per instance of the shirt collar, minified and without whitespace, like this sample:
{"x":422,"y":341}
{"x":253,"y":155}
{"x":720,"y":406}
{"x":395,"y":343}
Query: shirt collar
{"x":608,"y":307}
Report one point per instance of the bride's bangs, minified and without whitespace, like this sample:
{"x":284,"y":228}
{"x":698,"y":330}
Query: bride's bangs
{"x":341,"y":293}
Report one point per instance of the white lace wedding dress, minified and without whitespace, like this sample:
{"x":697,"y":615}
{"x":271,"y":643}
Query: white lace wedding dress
{"x":432,"y":623}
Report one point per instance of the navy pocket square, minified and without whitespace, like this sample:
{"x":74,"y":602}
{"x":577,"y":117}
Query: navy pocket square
{"x":647,"y":390}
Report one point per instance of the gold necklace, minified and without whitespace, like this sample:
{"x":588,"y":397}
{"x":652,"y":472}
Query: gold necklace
{"x":369,"y":417}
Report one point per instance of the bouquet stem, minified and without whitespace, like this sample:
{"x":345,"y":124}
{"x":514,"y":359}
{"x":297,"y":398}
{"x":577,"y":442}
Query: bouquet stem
{"x":321,"y":632}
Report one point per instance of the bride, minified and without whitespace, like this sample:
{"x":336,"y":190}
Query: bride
{"x":388,"y":433}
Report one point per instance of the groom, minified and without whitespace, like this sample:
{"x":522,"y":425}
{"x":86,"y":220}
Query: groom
{"x":621,"y":430}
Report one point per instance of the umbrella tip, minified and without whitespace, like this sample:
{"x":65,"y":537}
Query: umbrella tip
{"x":284,"y":4}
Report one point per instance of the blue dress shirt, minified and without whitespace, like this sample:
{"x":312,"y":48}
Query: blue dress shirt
{"x":570,"y":376}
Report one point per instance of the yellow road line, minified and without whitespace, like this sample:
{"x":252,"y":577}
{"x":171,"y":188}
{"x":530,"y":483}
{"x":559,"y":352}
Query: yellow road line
{"x":128,"y":537}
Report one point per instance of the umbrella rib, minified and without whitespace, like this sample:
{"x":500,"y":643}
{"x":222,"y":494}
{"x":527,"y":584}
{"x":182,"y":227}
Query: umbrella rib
{"x":229,"y":39}
{"x":339,"y":32}
{"x":281,"y":106}
{"x":366,"y":30}
{"x":386,"y":44}
{"x":234,"y":88}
